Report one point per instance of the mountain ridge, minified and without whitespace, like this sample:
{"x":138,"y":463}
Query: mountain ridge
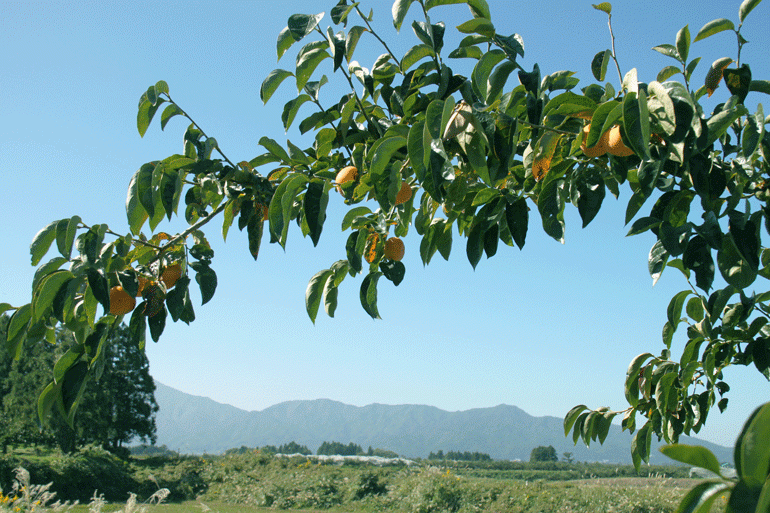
{"x":196,"y":425}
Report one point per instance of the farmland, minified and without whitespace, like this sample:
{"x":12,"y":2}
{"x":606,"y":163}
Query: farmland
{"x":255,"y":481}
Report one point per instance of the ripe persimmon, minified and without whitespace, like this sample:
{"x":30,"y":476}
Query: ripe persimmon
{"x":404,"y":194}
{"x":597,"y":150}
{"x":394,"y":249}
{"x":121,"y":301}
{"x":170,"y":275}
{"x":346,"y":174}
{"x":615,"y":144}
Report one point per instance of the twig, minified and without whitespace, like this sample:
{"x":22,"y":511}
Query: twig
{"x":614,"y":56}
{"x":378,"y":37}
{"x":185,"y":114}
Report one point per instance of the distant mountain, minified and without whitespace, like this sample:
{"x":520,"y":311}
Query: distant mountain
{"x":195,"y":425}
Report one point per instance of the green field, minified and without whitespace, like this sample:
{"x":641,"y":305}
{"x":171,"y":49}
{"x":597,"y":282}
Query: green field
{"x":260,"y":482}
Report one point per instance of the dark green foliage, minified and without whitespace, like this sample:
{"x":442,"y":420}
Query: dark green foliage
{"x":460,"y":456}
{"x":337,"y":448}
{"x":116,"y":408}
{"x":542,"y":453}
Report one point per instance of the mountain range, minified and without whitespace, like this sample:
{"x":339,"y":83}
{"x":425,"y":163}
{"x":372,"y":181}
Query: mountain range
{"x":196,"y":425}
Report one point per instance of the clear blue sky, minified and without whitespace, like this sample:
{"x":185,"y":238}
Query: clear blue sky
{"x":544,"y":329}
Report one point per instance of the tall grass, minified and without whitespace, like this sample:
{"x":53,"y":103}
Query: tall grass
{"x":25,"y":497}
{"x":255,"y":481}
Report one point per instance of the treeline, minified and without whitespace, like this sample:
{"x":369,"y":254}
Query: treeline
{"x":460,"y":456}
{"x":290,"y":448}
{"x":326,"y":448}
{"x":116,"y":408}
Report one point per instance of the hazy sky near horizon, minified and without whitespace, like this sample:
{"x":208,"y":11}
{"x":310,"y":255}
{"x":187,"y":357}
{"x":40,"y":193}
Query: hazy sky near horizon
{"x":544,"y":329}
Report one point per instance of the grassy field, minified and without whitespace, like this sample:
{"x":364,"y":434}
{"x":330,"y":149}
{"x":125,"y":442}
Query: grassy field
{"x":254,"y":482}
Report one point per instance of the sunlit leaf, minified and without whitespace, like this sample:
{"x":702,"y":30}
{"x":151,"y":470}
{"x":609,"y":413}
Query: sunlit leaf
{"x":271,"y":83}
{"x":713,"y":27}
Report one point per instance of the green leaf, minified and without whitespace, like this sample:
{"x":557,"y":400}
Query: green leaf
{"x":656,"y":261}
{"x":271,"y":83}
{"x":314,"y":292}
{"x":752,"y":452}
{"x":394,"y":271}
{"x":72,"y":386}
{"x":145,"y":114}
{"x":675,"y":306}
{"x":571,"y":417}
{"x":482,"y":70}
{"x":701,"y":497}
{"x":65,"y":235}
{"x":254,"y":230}
{"x":138,"y":327}
{"x":475,"y":245}
{"x":667,"y":72}
{"x":746,"y":7}
{"x":282,"y":206}
{"x":599,"y":64}
{"x":636,"y":123}
{"x":713,"y":27}
{"x":301,"y":25}
{"x":640,"y":444}
{"x":177,"y":298}
{"x":632,"y":378}
{"x":206,"y":279}
{"x":352,"y":250}
{"x":314,"y":206}
{"x":478,"y":26}
{"x":399,"y":10}
{"x":352,"y":215}
{"x":19,"y":321}
{"x":683,"y":42}
{"x":697,"y":256}
{"x":157,"y":323}
{"x":604,"y":6}
{"x":48,"y":397}
{"x":307,"y":61}
{"x":760,"y":86}
{"x":643,"y":224}
{"x":351,"y":41}
{"x":550,"y":203}
{"x":479,"y":8}
{"x":384,"y":153}
{"x":135,"y":211}
{"x":46,"y":292}
{"x":284,"y":42}
{"x":735,"y":269}
{"x":368,"y":294}
{"x":168,"y":113}
{"x":42,"y":242}
{"x":719,"y":123}
{"x":693,"y":455}
{"x":668,"y":51}
{"x":497,"y":80}
{"x":275,"y":148}
{"x":414,"y":55}
{"x":591,"y":189}
{"x":517,"y":217}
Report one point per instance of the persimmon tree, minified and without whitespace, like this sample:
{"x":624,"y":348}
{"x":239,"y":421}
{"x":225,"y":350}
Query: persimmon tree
{"x":413,"y":145}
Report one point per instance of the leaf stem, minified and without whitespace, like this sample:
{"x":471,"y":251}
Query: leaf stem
{"x":185,"y":114}
{"x":360,"y":104}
